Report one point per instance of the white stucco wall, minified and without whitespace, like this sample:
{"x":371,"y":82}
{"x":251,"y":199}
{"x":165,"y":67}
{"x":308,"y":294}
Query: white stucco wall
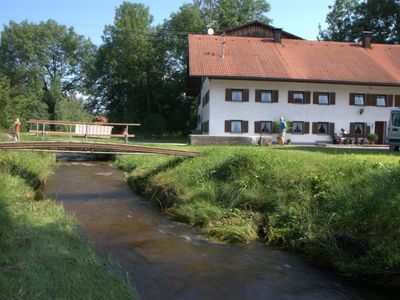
{"x":218,"y":110}
{"x":204,"y":112}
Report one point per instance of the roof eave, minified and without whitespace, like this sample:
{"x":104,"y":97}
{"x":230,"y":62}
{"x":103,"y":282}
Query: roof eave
{"x":345,"y":82}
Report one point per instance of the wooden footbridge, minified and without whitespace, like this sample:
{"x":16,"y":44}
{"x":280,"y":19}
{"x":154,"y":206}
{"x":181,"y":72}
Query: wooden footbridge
{"x":85,"y":130}
{"x":91,"y":147}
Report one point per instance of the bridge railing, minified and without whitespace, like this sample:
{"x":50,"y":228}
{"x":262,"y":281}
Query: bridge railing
{"x":82,"y":129}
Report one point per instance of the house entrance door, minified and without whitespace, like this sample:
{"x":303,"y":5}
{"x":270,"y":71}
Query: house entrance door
{"x":380,"y":130}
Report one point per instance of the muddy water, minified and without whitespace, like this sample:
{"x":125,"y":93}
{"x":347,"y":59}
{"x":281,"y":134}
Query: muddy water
{"x":168,"y":260}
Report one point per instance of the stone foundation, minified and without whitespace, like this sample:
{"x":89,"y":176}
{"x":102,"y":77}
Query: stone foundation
{"x":238,"y":140}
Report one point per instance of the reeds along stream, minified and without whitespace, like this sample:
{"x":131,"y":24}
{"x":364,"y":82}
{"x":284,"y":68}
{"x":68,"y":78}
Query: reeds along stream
{"x":168,"y":260}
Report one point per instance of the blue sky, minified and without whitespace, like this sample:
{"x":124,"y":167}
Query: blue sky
{"x":88,"y":17}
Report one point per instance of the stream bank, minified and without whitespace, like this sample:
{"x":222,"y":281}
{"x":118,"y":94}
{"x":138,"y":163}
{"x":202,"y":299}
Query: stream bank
{"x":170,"y":260}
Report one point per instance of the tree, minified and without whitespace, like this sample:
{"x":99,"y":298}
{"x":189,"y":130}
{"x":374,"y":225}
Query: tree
{"x":229,"y":13}
{"x":120,"y":77}
{"x":341,"y":21}
{"x":45,"y":59}
{"x":349,"y":18}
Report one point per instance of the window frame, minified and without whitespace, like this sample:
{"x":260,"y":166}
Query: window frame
{"x":327,"y":98}
{"x":241,"y":95}
{"x":356,"y":96}
{"x":264,"y":92}
{"x":293,"y":125}
{"x":385,"y":98}
{"x":270,"y":127}
{"x":363,"y":126}
{"x":327,"y":128}
{"x":241,"y":126}
{"x":303,"y":97}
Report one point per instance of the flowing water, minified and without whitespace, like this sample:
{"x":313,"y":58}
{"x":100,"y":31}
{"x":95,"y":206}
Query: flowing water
{"x":169,"y":260}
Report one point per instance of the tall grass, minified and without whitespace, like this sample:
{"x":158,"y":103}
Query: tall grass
{"x":42,"y":253}
{"x":338,"y":208}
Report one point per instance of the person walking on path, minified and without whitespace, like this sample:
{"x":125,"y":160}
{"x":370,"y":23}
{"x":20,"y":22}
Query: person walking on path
{"x":17,"y":126}
{"x":281,"y":131}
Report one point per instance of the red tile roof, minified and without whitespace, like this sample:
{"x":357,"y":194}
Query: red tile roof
{"x":293,"y":60}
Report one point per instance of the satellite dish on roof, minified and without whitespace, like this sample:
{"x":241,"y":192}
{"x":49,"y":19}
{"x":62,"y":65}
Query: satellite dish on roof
{"x":210,"y":31}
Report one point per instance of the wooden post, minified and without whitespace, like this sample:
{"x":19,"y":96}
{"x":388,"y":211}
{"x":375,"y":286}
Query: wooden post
{"x":70,"y":130}
{"x":86,"y":132}
{"x":43,"y":130}
{"x":126,"y":134}
{"x":37,"y":129}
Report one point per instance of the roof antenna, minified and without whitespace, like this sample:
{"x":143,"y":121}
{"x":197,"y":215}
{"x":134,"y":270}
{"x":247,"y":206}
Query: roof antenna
{"x":223,"y":45}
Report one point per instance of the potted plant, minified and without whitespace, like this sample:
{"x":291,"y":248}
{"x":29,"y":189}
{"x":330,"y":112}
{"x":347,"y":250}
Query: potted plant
{"x":372,"y":138}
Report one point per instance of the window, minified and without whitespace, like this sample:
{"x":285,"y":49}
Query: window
{"x":322,"y":128}
{"x":298,"y":97}
{"x":323,"y":99}
{"x":395,"y":118}
{"x":237,"y":95}
{"x":297,"y":128}
{"x":359,"y":128}
{"x":236,"y":126}
{"x":381,"y":101}
{"x":266,"y":96}
{"x":266,"y":127}
{"x":359,"y":100}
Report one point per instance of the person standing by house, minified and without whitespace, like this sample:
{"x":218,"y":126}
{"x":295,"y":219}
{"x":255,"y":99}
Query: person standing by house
{"x":281,"y":131}
{"x":17,"y":126}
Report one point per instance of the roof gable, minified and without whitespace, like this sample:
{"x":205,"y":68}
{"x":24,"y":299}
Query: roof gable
{"x":256,"y":29}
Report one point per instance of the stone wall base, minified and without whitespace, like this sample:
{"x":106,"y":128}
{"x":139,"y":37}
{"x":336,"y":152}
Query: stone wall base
{"x":195,"y":139}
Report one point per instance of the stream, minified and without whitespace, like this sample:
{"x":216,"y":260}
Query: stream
{"x":170,"y":260}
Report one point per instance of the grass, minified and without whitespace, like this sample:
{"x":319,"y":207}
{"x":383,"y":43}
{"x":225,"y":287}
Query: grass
{"x":338,"y":207}
{"x":42,"y":253}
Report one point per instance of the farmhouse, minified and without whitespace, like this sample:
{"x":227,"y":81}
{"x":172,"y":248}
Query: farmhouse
{"x":249,"y":76}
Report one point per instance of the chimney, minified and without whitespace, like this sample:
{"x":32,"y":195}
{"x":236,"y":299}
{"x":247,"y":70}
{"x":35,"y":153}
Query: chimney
{"x":366,"y":39}
{"x":278,"y":35}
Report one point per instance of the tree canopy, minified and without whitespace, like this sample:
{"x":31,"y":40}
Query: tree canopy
{"x":47,"y":61}
{"x":138,"y":73}
{"x":347,"y":20}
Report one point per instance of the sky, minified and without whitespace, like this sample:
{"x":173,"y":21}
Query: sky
{"x":88,"y":17}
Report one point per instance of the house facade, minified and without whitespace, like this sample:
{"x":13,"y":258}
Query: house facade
{"x":248,"y":83}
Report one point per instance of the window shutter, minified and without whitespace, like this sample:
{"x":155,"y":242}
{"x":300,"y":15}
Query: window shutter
{"x":228,"y":95}
{"x":245,"y":95}
{"x":352,"y":99}
{"x":314,"y":128}
{"x":371,"y":100}
{"x":258,"y":95}
{"x":290,"y":125}
{"x":332,"y":98}
{"x":275,"y":96}
{"x":290,"y":97}
{"x":257,"y":127}
{"x":352,"y":128}
{"x":306,"y":127}
{"x":307,"y":97}
{"x":227,"y":126}
{"x":315,"y":97}
{"x":397,"y":101}
{"x":245,"y":126}
{"x":331,"y":128}
{"x":390,"y":100}
{"x":368,"y":131}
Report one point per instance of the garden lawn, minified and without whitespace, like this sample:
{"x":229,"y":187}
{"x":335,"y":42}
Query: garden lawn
{"x":339,"y":208}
